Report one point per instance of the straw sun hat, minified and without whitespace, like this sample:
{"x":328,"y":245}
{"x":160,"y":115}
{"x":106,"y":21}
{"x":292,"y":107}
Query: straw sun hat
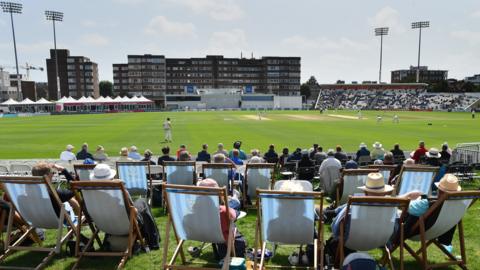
{"x":448,"y":183}
{"x":376,"y":184}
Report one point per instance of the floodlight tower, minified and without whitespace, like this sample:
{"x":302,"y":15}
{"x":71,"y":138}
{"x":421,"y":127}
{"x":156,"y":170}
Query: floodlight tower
{"x":55,"y":16}
{"x":10,"y":7}
{"x":381,"y":31}
{"x":419,"y":26}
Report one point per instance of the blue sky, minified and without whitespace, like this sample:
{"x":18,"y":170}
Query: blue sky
{"x":334,"y":38}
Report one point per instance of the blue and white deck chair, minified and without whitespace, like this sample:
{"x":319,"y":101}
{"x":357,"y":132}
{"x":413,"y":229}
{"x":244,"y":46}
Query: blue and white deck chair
{"x":385,"y":170}
{"x":111,"y":211}
{"x":83,"y":171}
{"x":448,"y":211}
{"x":351,"y":180}
{"x":416,"y":177}
{"x":136,"y":176}
{"x":220,"y":172}
{"x":194,"y":214}
{"x":179,"y":172}
{"x":372,"y":224}
{"x":288,"y":218}
{"x":34,"y":199}
{"x":257,"y":176}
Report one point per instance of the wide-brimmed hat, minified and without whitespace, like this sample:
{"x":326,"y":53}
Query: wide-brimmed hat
{"x":377,"y":145}
{"x":362,"y":145}
{"x":102,"y":172}
{"x":330,"y":152}
{"x":433,"y":153}
{"x":449,"y":182}
{"x":376,"y":184}
{"x":69,"y":147}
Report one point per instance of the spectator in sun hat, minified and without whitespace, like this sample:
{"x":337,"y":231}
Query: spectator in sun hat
{"x":133,"y":154}
{"x":102,"y":172}
{"x":377,"y":151}
{"x":147,"y":156}
{"x":100,"y":154}
{"x":362,"y":151}
{"x":67,"y":155}
{"x":124,"y":155}
{"x":433,"y":157}
{"x":84,"y":154}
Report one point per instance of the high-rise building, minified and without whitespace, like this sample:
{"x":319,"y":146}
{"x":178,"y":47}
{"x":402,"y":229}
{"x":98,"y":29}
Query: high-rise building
{"x":154,"y":75}
{"x":475,"y":79}
{"x":6,"y":89}
{"x":426,"y":75}
{"x":78,"y":75}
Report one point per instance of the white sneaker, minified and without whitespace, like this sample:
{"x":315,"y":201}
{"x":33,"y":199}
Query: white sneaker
{"x":293,"y":259}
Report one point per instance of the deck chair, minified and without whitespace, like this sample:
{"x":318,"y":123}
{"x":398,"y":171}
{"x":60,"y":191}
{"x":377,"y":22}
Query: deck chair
{"x":385,"y":170}
{"x":451,"y":207}
{"x":372,"y":224}
{"x":194,"y":214}
{"x":306,"y":185}
{"x":179,"y":172}
{"x":220,"y":172}
{"x":280,"y":214}
{"x":364,"y":160}
{"x":257,"y":176}
{"x":33,"y":198}
{"x":111,"y":211}
{"x":136,"y":177}
{"x":415,"y":178}
{"x":82,"y":171}
{"x":350,"y":182}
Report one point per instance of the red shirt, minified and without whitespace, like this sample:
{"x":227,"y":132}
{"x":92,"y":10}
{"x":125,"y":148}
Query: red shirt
{"x":421,"y":151}
{"x":224,"y":220}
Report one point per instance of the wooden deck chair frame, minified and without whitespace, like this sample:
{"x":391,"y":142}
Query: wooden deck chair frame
{"x":180,"y":163}
{"x":148,"y":175}
{"x":229,"y":166}
{"x":318,"y":243}
{"x":222,"y":194}
{"x":421,"y":255}
{"x":400,"y":203}
{"x":63,"y":217}
{"x":78,"y":167}
{"x":339,"y":189}
{"x":414,"y":168}
{"x":245,"y":180}
{"x":381,"y":168}
{"x":134,"y":232}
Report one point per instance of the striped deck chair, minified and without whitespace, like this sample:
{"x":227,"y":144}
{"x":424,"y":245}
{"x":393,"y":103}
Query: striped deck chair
{"x":221,"y":172}
{"x":194,"y":214}
{"x":451,"y":208}
{"x":82,"y":171}
{"x":351,"y":180}
{"x":385,"y":170}
{"x":372,"y":224}
{"x":257,"y":176}
{"x":111,"y":211}
{"x":179,"y":172}
{"x":288,"y":218}
{"x":34,"y":198}
{"x":416,"y":178}
{"x":136,"y":177}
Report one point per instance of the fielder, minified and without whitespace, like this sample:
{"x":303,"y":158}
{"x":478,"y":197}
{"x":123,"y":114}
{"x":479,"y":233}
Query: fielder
{"x":167,"y":128}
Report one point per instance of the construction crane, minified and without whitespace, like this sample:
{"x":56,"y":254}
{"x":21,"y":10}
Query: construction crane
{"x":27,"y":67}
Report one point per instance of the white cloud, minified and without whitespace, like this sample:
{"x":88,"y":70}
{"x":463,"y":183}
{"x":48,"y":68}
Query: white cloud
{"x":162,"y":25}
{"x":475,"y":14}
{"x":228,"y":42}
{"x":322,"y":43}
{"x":387,"y":17}
{"x":95,"y":39}
{"x":221,"y":10}
{"x":89,"y":23}
{"x":471,"y":37}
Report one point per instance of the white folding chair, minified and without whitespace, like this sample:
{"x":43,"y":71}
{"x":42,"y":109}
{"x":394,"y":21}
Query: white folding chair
{"x":418,"y":178}
{"x":179,"y":172}
{"x":257,"y":176}
{"x":350,"y":182}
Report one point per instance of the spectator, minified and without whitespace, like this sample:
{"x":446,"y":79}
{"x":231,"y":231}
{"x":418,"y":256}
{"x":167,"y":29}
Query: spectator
{"x":147,"y":156}
{"x":124,"y":155}
{"x":319,"y":156}
{"x":284,"y":157}
{"x":314,"y":150}
{"x":133,"y":154}
{"x":166,"y":156}
{"x":305,"y":160}
{"x":377,"y":151}
{"x":433,"y":157}
{"x":100,"y":154}
{"x":351,"y":164}
{"x":84,"y":154}
{"x":241,"y":154}
{"x":420,"y":152}
{"x":221,"y":158}
{"x":67,"y":155}
{"x":445,"y":154}
{"x":329,"y":162}
{"x":235,"y":157}
{"x":221,"y":150}
{"x":363,"y":151}
{"x":397,"y":152}
{"x":388,"y":158}
{"x":296,"y":156}
{"x":204,"y":155}
{"x":184,"y":156}
{"x":182,"y":147}
{"x":255,"y":159}
{"x":378,"y":162}
{"x":271,"y":156}
{"x":340,"y":155}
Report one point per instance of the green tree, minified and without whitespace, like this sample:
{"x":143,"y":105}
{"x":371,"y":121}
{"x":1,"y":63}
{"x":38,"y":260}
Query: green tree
{"x":106,"y":88}
{"x":305,"y":90}
{"x":312,"y":81}
{"x":468,"y":87}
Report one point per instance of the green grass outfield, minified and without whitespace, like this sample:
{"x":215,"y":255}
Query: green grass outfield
{"x":46,"y":136}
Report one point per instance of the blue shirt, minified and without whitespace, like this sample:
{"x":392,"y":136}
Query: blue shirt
{"x":340,"y":211}
{"x":237,"y":160}
{"x":362,"y":152}
{"x":134,"y":155}
{"x":241,"y":155}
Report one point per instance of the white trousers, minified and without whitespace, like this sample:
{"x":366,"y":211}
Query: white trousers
{"x":168,"y":134}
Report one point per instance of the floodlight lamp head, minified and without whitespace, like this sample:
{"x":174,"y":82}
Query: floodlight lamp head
{"x":11,"y":7}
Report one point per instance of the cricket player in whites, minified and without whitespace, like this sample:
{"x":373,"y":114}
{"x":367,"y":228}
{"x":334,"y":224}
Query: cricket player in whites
{"x":396,"y":120}
{"x":167,"y":128}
